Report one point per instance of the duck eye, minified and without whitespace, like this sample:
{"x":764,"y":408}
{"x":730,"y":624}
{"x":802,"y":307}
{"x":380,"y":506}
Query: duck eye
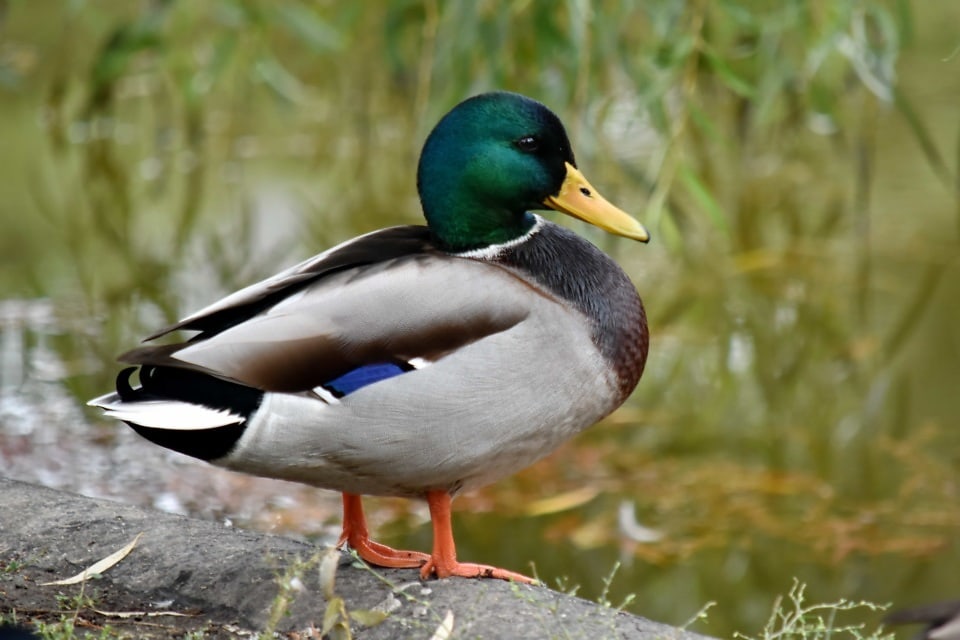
{"x":528,"y":144}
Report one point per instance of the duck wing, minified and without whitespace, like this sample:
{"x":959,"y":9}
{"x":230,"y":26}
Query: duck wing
{"x":388,"y":298}
{"x":371,"y":248}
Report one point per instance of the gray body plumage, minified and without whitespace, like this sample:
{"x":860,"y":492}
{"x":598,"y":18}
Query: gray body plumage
{"x":511,"y":353}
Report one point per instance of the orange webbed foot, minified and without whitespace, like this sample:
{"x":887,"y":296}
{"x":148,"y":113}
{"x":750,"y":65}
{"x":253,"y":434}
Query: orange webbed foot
{"x":443,"y":561}
{"x":471,"y":570}
{"x":383,"y":556}
{"x":356,"y":536}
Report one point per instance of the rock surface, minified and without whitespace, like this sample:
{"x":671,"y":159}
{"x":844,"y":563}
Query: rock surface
{"x":237,"y":583}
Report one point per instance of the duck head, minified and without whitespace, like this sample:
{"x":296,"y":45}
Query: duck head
{"x":493,"y":159}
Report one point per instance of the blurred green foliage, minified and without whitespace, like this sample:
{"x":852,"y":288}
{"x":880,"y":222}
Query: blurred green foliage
{"x":691,"y":99}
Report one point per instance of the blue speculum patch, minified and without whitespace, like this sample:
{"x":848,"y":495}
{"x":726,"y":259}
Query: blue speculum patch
{"x":363,"y":376}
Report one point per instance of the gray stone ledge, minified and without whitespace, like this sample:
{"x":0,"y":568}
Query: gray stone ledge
{"x":229,"y":579}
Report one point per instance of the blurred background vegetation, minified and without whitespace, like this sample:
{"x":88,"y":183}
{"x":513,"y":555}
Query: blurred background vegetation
{"x":796,"y":161}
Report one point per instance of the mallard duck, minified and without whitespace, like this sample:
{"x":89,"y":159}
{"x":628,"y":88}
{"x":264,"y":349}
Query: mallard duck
{"x":415,"y":361}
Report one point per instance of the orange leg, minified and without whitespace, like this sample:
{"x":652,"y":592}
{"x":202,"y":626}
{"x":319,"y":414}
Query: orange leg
{"x":443,"y":562}
{"x":356,"y":535}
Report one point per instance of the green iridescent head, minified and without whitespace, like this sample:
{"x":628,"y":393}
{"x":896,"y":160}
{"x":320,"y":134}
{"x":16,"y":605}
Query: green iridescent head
{"x":491,"y":160}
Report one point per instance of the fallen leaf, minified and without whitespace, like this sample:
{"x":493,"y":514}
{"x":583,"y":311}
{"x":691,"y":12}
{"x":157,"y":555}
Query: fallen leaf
{"x":368,"y":617}
{"x":445,"y":630}
{"x":631,"y":528}
{"x":335,"y":623}
{"x":562,"y":502}
{"x":142,"y":614}
{"x":98,"y":567}
{"x":328,"y":571}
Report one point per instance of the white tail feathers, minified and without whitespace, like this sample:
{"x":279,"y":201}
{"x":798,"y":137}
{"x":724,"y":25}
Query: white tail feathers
{"x":172,"y":415}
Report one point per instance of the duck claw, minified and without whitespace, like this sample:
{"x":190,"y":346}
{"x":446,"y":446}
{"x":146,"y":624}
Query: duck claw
{"x":383,"y":556}
{"x":471,"y":570}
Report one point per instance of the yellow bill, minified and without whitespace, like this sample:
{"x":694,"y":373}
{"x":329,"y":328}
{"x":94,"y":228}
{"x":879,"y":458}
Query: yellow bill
{"x":579,"y":199}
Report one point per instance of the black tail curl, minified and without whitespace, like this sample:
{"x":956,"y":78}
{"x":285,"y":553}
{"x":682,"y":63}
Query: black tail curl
{"x":169,"y":383}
